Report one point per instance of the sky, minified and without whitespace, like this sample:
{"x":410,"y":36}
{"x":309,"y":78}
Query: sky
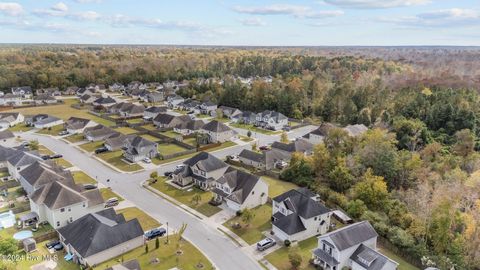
{"x":244,"y":23}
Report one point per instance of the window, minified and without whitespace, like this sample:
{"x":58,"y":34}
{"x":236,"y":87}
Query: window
{"x":62,"y":210}
{"x":315,"y":218}
{"x":69,"y":209}
{"x":84,"y":205}
{"x":71,"y":219}
{"x":58,"y":223}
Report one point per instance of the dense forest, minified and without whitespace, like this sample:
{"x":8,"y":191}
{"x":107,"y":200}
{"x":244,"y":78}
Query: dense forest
{"x":415,"y":175}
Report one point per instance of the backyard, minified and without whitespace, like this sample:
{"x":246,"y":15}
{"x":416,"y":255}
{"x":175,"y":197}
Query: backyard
{"x":149,"y":137}
{"x":277,"y":186}
{"x":115,"y":159}
{"x":170,"y":148}
{"x":171,"y":134}
{"x":126,"y":130}
{"x":36,"y":257}
{"x":253,"y":232}
{"x":187,"y":197}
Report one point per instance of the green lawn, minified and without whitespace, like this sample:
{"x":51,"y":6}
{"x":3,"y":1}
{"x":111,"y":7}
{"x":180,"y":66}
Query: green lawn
{"x":63,"y":111}
{"x":293,"y":124}
{"x":252,"y":232}
{"x":75,"y":138}
{"x":150,"y":137}
{"x":277,"y":186}
{"x":91,"y":146}
{"x":171,"y":134}
{"x":223,"y":120}
{"x":254,"y":129}
{"x":135,"y":121}
{"x":82,"y":178}
{"x":107,"y":193}
{"x":189,"y":259}
{"x":146,"y":221}
{"x":126,"y":130}
{"x":158,"y":161}
{"x":20,"y":127}
{"x":53,"y":131}
{"x":44,"y":150}
{"x":4,"y":174}
{"x":170,"y":148}
{"x":149,"y":127}
{"x":42,"y":251}
{"x":185,"y":197}
{"x":245,"y":138}
{"x":115,"y":158}
{"x":403,"y":265}
{"x":191,"y":141}
{"x":180,"y":111}
{"x":279,"y":258}
{"x":203,"y":116}
{"x":62,"y":162}
{"x":223,"y":145}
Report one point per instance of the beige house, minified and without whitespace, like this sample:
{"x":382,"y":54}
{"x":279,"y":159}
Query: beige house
{"x":218,"y":132}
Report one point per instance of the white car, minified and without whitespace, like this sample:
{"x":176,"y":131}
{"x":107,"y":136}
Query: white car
{"x":147,"y":160}
{"x":179,"y":166}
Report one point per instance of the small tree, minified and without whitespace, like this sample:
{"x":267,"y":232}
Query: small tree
{"x":34,"y":145}
{"x":154,"y":175}
{"x":247,"y":216}
{"x":8,"y":246}
{"x":295,"y":259}
{"x":249,"y":134}
{"x":254,"y":146}
{"x":146,"y":247}
{"x":157,"y":243}
{"x":196,"y":199}
{"x":284,"y":137}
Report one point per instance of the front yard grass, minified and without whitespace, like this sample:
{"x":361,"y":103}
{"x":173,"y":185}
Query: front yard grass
{"x":126,"y":130}
{"x":82,"y":178}
{"x":245,"y":138}
{"x":20,"y":128}
{"x":277,"y":186}
{"x":255,"y":129}
{"x":189,"y":259}
{"x":91,"y":146}
{"x":150,"y":137}
{"x":186,"y":197}
{"x":75,"y":138}
{"x":115,"y":159}
{"x":62,"y":162}
{"x":146,"y":221}
{"x":44,"y":150}
{"x":170,"y":148}
{"x":52,"y":131}
{"x":107,"y":193}
{"x":279,"y":258}
{"x":253,"y":232}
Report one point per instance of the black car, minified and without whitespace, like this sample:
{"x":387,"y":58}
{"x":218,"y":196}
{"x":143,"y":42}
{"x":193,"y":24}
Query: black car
{"x":89,"y":186}
{"x":101,"y":150}
{"x":155,"y":233}
{"x":46,"y":157}
{"x":58,"y":247}
{"x":51,"y":244}
{"x":167,"y":174}
{"x":56,"y":156}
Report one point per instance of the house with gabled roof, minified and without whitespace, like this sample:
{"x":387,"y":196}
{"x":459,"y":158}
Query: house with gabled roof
{"x":11,"y":100}
{"x":104,"y":101}
{"x":43,"y":121}
{"x":75,"y":125}
{"x":300,"y":145}
{"x":202,"y":170}
{"x":87,"y":98}
{"x":118,"y":141}
{"x":139,"y":148}
{"x":207,"y":108}
{"x":271,"y":120}
{"x":99,"y":133}
{"x":229,"y":112}
{"x":128,"y":265}
{"x":109,"y":235}
{"x":20,"y":160}
{"x":246,"y":117}
{"x":40,"y":173}
{"x":353,"y":246}
{"x":23,"y":91}
{"x":151,"y":112}
{"x":240,"y":190}
{"x":7,"y":137}
{"x":10,"y":119}
{"x":298,"y":214}
{"x":131,"y":110}
{"x":174,"y":100}
{"x":165,"y":120}
{"x":218,"y":132}
{"x":318,"y":135}
{"x":154,"y":97}
{"x":5,"y":154}
{"x":44,"y":99}
{"x":191,"y":127}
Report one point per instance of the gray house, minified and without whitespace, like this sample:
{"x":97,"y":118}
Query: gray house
{"x":139,"y":148}
{"x":218,"y":132}
{"x":99,"y":133}
{"x":165,"y":120}
{"x":39,"y":174}
{"x":151,"y":112}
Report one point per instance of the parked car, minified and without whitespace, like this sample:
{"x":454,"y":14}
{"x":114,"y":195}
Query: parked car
{"x":264,"y":148}
{"x":112,"y":202}
{"x":63,"y":133}
{"x":147,"y":160}
{"x":89,"y":186}
{"x":56,"y":156}
{"x":45,"y":157}
{"x":287,"y":128}
{"x":51,"y":244}
{"x":233,"y":157}
{"x":265,"y":244}
{"x":58,"y":247}
{"x":167,"y":174}
{"x":100,"y":150}
{"x":25,"y":144}
{"x":281,"y":164}
{"x":158,"y":232}
{"x":180,"y":166}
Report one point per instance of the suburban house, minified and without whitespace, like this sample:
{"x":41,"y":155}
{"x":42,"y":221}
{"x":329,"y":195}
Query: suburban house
{"x":208,"y":108}
{"x":24,"y":91}
{"x":317,"y":136}
{"x":75,"y":125}
{"x":71,"y":90}
{"x":116,"y":87}
{"x":109,"y":235}
{"x":10,"y":119}
{"x":240,"y":190}
{"x":40,"y":173}
{"x":7,"y":137}
{"x":187,"y":128}
{"x":298,"y":146}
{"x":154,"y":97}
{"x":43,"y":121}
{"x":353,"y":246}
{"x":19,"y":161}
{"x":53,"y":92}
{"x":131,"y":110}
{"x":201,"y":170}
{"x":229,"y":112}
{"x":98,"y":133}
{"x":174,"y":100}
{"x":165,"y":120}
{"x":218,"y":132}
{"x":104,"y":102}
{"x":88,"y":98}
{"x":190,"y":105}
{"x":128,"y":265}
{"x":151,"y":112}
{"x":118,"y":141}
{"x":86,"y":91}
{"x":271,"y":120}
{"x":11,"y":100}
{"x":44,"y":99}
{"x":267,"y":160}
{"x":246,"y":117}
{"x":139,"y":148}
{"x":115,"y":109}
{"x":5,"y":154}
{"x":298,"y":215}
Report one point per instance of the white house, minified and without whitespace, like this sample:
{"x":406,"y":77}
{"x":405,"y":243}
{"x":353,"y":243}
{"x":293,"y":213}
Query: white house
{"x":218,"y":132}
{"x":10,"y":119}
{"x":240,"y":190}
{"x":41,"y":121}
{"x":11,"y":100}
{"x":298,"y":215}
{"x":174,"y":100}
{"x":354,"y":247}
{"x":271,"y":120}
{"x":61,"y":203}
{"x":75,"y":125}
{"x":19,"y":161}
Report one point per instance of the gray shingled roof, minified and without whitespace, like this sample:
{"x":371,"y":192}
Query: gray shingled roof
{"x":302,"y":203}
{"x":240,"y":183}
{"x":100,"y":231}
{"x":206,"y":162}
{"x":299,"y":145}
{"x":216,"y":126}
{"x":6,"y":153}
{"x":370,"y":259}
{"x":6,"y":134}
{"x":76,"y":123}
{"x":252,"y":155}
{"x":105,"y":100}
{"x":352,"y":235}
{"x":290,"y":224}
{"x":39,"y":173}
{"x":22,"y":158}
{"x":128,"y":265}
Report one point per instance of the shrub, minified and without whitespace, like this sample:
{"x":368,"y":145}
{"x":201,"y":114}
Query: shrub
{"x":239,"y":213}
{"x":287,"y":242}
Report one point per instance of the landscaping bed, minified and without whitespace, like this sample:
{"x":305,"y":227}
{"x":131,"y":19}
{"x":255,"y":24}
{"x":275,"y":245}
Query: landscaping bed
{"x":253,"y":232}
{"x":115,"y":159}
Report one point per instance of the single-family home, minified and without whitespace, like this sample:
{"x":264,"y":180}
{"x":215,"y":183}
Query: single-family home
{"x":154,"y":97}
{"x":318,"y":135}
{"x":151,"y":112}
{"x":140,"y":148}
{"x":356,"y":130}
{"x":174,"y":100}
{"x":240,"y":190}
{"x":300,"y":145}
{"x":53,"y":92}
{"x":109,"y":236}
{"x":354,"y":247}
{"x":104,"y":102}
{"x":87,"y":98}
{"x":115,"y":109}
{"x":267,"y":160}
{"x":98,"y":133}
{"x":218,"y":132}
{"x":40,"y":173}
{"x":298,"y":214}
{"x":19,"y":161}
{"x":208,"y":108}
{"x":229,"y":112}
{"x":71,"y":90}
{"x":165,"y":120}
{"x":75,"y":125}
{"x":24,"y":91}
{"x":252,"y":158}
{"x":190,"y":105}
{"x":271,"y":120}
{"x":11,"y":100}
{"x":201,"y":170}
{"x":10,"y":119}
{"x":5,"y":154}
{"x":118,"y":141}
{"x":131,"y":110}
{"x":187,"y":128}
{"x":43,"y":121}
{"x":44,"y":99}
{"x":7,"y":137}
{"x":116,"y":87}
{"x":245,"y":117}
{"x":128,"y":265}
{"x":87,"y":91}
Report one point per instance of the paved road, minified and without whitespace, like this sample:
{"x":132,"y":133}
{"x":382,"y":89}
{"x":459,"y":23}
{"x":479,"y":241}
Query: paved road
{"x":214,"y":244}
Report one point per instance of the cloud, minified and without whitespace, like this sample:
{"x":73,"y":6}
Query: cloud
{"x":11,"y":8}
{"x":60,"y":6}
{"x":253,"y":21}
{"x":324,"y":14}
{"x":88,"y":1}
{"x":285,"y":9}
{"x":454,"y":17}
{"x":120,"y":20}
{"x":375,"y":4}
